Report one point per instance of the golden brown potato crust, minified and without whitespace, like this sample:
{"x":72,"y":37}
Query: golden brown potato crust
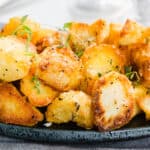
{"x":99,"y":60}
{"x":83,"y":35}
{"x":14,"y":58}
{"x":14,"y":109}
{"x":112,"y":101}
{"x":38,"y":93}
{"x":14,"y":23}
{"x":71,"y":106}
{"x":60,"y":69}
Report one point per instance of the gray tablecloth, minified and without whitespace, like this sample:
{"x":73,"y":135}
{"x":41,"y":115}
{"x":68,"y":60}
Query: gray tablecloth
{"x":7,"y":143}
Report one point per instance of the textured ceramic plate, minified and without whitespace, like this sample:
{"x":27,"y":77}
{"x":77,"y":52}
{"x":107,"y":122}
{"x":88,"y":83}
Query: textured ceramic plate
{"x":70,"y":133}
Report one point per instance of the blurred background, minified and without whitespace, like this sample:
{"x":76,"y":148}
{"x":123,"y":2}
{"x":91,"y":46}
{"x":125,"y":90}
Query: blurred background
{"x":56,"y":12}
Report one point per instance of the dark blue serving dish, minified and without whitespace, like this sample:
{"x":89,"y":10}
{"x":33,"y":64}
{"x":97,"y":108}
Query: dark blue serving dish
{"x":70,"y":133}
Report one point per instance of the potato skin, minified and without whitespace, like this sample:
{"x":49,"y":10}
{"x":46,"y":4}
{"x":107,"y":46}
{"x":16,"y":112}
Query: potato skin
{"x":71,"y":106}
{"x":14,"y":109}
{"x":113,"y":103}
{"x":99,"y":60}
{"x":14,"y":59}
{"x":60,"y":69}
{"x":38,"y":93}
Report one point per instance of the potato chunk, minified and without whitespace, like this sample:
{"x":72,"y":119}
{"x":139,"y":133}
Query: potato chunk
{"x":141,"y":58}
{"x":71,"y":106}
{"x":83,"y":35}
{"x":14,"y":61}
{"x":60,"y":69}
{"x":114,"y":34}
{"x":14,"y":109}
{"x":131,"y":33}
{"x":113,"y":101}
{"x":99,"y":60}
{"x":145,"y":106}
{"x":38,"y":93}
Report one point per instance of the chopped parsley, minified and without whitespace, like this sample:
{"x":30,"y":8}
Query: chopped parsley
{"x":67,"y":25}
{"x":79,"y":53}
{"x":23,"y":29}
{"x":131,"y":74}
{"x":67,"y":41}
{"x":36,"y":82}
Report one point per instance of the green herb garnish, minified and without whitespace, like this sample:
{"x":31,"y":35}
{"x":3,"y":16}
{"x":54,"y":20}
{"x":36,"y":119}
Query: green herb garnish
{"x":36,"y":82}
{"x":67,"y":25}
{"x":131,"y":74}
{"x":23,"y":29}
{"x":79,"y":53}
{"x":67,"y":41}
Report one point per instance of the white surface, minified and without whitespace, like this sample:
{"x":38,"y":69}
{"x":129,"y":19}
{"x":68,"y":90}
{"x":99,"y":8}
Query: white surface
{"x":50,"y":12}
{"x":57,"y":12}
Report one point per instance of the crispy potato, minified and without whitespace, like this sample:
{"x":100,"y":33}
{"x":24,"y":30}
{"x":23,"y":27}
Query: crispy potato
{"x":141,"y":59}
{"x":113,"y":103}
{"x":114,"y":34}
{"x":143,"y":99}
{"x":38,"y":93}
{"x":60,"y":69}
{"x":131,"y":33}
{"x":101,"y":30}
{"x":14,"y":24}
{"x":71,"y":106}
{"x":83,"y":35}
{"x":14,"y":109}
{"x":15,"y":63}
{"x":53,"y":39}
{"x":80,"y":36}
{"x":102,"y":59}
{"x":145,"y":105}
{"x":99,"y":60}
{"x":138,"y":93}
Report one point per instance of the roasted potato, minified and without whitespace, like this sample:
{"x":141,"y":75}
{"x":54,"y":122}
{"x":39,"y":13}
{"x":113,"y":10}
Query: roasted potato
{"x":114,"y":34}
{"x":14,"y":59}
{"x":14,"y":109}
{"x":113,"y":103}
{"x":38,"y":93}
{"x":141,"y":59}
{"x":84,"y":35}
{"x":71,"y":106}
{"x":101,"y":31}
{"x":60,"y":69}
{"x":81,"y":36}
{"x":139,"y":93}
{"x":143,"y":99}
{"x":145,"y":106}
{"x":17,"y":23}
{"x":131,"y":33}
{"x":99,"y":60}
{"x":53,"y":39}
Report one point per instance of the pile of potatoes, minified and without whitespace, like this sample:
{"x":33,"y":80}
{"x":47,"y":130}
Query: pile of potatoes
{"x":96,"y":75}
